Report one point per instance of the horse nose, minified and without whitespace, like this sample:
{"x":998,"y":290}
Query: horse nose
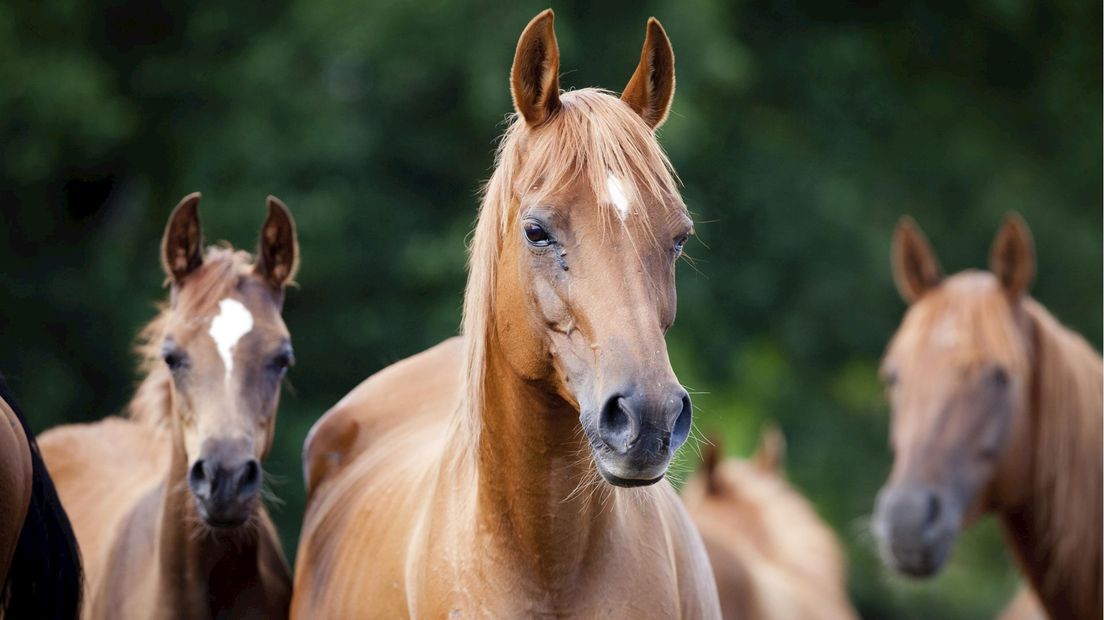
{"x":664,"y":420}
{"x":213,"y":482}
{"x":912,"y":513}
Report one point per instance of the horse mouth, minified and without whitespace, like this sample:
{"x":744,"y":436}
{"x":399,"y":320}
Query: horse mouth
{"x":618,"y":481}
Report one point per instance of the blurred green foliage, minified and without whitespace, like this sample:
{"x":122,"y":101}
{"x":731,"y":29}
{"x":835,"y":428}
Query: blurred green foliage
{"x":801,"y":130}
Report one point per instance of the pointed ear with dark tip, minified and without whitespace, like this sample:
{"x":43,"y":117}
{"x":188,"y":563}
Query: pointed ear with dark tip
{"x":711,"y":456}
{"x":915,"y":267}
{"x":535,"y":76}
{"x":182,"y":245}
{"x":771,"y":451}
{"x":1012,"y":256}
{"x":278,"y":247}
{"x":652,"y":86}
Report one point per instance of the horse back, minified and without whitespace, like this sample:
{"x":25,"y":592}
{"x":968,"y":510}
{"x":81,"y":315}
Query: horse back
{"x":416,"y":390}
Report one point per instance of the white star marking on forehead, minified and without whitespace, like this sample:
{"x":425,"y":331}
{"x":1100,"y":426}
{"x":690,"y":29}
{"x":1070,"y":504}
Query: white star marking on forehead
{"x":617,"y":196}
{"x":232,"y":322}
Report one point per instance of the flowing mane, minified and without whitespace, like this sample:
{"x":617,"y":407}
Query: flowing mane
{"x":593,"y":135}
{"x":222,"y":266}
{"x":1069,"y":404}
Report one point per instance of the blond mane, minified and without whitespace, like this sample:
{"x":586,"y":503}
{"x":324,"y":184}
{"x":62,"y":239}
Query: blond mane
{"x":213,"y":281}
{"x":593,"y":134}
{"x":1068,"y":398}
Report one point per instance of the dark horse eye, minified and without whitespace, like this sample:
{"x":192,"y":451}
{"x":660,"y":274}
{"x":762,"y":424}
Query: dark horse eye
{"x":282,"y":361}
{"x":680,"y":243}
{"x":536,"y":234}
{"x":174,"y":359}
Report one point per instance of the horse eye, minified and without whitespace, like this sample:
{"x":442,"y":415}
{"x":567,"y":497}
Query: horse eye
{"x":999,"y":376}
{"x":175,"y":359}
{"x":536,"y":234}
{"x":680,"y":243}
{"x":282,"y":361}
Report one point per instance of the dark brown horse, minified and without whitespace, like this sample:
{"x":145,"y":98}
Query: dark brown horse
{"x":997,"y":409}
{"x":167,"y":504}
{"x":40,"y":568}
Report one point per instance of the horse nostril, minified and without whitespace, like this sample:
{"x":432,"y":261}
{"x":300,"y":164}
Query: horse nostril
{"x":199,"y":480}
{"x":249,"y":478}
{"x":681,"y":430}
{"x":617,"y":426}
{"x":933,"y":510}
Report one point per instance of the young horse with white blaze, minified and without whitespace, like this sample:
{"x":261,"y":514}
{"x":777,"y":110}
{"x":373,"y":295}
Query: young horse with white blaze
{"x":489,"y":475}
{"x":166,"y":503}
{"x":997,"y":408}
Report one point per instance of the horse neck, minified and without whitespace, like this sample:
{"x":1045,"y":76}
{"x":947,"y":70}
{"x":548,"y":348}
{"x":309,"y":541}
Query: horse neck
{"x":1056,"y":532}
{"x":200,"y":571}
{"x":537,"y":489}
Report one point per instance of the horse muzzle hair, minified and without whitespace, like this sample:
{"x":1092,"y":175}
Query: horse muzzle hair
{"x":226,"y":482}
{"x":637,"y":432}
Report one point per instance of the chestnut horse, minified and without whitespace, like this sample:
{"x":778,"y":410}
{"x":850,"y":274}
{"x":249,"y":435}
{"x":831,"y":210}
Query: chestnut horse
{"x":467,"y":481}
{"x":40,"y":568}
{"x":772,"y":555}
{"x":997,"y":409}
{"x":166,"y":503}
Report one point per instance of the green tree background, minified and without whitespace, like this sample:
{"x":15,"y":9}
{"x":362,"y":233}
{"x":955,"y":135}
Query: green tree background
{"x":801,"y":130}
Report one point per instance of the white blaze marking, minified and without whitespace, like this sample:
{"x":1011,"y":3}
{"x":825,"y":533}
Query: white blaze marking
{"x":617,"y":196}
{"x":233,"y":321}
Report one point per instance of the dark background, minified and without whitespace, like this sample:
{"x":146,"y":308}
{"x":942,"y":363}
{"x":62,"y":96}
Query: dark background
{"x":801,"y":130}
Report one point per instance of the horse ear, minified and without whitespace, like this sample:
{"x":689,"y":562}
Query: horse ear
{"x":535,"y":76}
{"x":1012,"y":256}
{"x":652,"y":86}
{"x":182,"y":244}
{"x":915,"y":267}
{"x":278,"y":247}
{"x":771,"y":451}
{"x":710,"y":458}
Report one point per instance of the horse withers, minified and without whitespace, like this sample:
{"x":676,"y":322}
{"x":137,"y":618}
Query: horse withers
{"x":520,"y":471}
{"x":997,"y":409}
{"x":167,"y":503}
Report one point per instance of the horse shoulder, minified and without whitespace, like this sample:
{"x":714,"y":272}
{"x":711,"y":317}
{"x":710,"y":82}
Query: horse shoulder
{"x":15,"y":484}
{"x":425,"y":385}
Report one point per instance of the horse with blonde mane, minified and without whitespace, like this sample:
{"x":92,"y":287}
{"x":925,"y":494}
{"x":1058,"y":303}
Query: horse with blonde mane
{"x":40,"y":566}
{"x":166,"y":503}
{"x":997,"y":409}
{"x":520,"y":471}
{"x":773,"y":557}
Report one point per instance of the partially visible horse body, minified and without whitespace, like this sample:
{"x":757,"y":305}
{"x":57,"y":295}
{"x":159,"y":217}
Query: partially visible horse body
{"x":997,"y":408}
{"x":774,"y":559}
{"x":40,"y":568}
{"x":479,"y":479}
{"x":166,"y":502}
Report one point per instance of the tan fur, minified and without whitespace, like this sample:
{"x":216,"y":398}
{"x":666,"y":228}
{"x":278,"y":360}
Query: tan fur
{"x":772,"y":555}
{"x":459,"y":483}
{"x":15,"y":484}
{"x":147,"y":552}
{"x":1046,"y":485}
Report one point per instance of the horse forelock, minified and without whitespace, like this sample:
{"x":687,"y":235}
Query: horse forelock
{"x":593,"y":137}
